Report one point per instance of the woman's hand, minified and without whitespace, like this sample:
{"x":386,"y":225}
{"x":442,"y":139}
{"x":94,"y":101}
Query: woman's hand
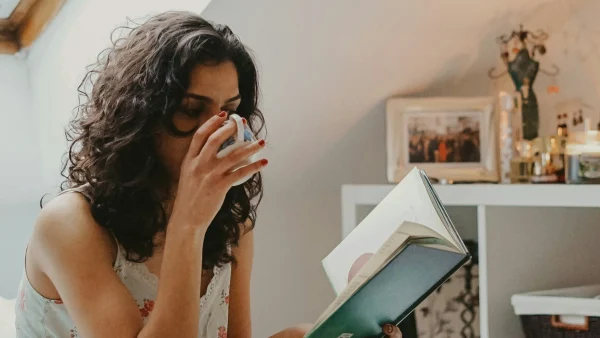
{"x":204,"y":178}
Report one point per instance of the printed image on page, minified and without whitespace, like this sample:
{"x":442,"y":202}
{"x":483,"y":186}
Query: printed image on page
{"x":358,"y":264}
{"x":355,"y":251}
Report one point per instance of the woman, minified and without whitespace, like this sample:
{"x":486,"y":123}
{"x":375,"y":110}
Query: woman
{"x":150,"y":237}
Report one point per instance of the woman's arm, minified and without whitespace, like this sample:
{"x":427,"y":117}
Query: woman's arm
{"x":239,"y":290}
{"x":177,"y":306}
{"x":76,"y":255}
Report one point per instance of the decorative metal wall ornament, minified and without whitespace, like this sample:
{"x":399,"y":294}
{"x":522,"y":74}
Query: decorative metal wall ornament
{"x":522,"y":66}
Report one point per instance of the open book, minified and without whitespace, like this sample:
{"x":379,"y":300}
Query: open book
{"x":400,"y":253}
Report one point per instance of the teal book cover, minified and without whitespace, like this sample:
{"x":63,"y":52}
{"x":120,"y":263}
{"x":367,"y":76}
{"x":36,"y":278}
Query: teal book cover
{"x":391,"y":294}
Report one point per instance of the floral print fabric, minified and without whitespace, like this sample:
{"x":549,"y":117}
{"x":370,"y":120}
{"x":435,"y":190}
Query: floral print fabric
{"x":37,"y":316}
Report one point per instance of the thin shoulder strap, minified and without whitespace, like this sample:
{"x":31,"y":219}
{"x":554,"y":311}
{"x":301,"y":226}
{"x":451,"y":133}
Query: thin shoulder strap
{"x":121,"y":254}
{"x":81,"y":190}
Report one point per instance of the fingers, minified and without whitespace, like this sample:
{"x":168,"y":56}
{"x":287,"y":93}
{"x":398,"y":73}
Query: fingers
{"x":392,"y":331}
{"x":214,"y":141}
{"x":204,"y":132}
{"x":241,"y":154}
{"x":246,"y":171}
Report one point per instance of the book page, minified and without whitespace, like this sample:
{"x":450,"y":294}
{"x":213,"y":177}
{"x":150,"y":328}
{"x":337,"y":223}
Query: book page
{"x":416,"y":230}
{"x":444,"y":217}
{"x":439,"y":247}
{"x":338,"y":264}
{"x":408,"y":201}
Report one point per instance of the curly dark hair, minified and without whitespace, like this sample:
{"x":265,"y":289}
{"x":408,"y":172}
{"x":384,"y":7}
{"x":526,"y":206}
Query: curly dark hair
{"x":134,"y":89}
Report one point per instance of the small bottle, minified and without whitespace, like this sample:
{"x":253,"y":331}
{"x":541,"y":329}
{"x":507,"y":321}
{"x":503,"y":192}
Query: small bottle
{"x":564,"y":125}
{"x":559,"y":128}
{"x":507,"y":151}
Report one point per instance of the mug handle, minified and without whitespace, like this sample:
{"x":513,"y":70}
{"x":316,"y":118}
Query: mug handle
{"x":240,"y":127}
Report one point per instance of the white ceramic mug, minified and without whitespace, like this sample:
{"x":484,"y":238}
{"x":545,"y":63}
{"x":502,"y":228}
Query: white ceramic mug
{"x":243,"y":136}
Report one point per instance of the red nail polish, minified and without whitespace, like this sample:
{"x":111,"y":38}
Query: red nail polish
{"x":261,"y":143}
{"x":264,"y":161}
{"x":222,"y":114}
{"x":244,"y":120}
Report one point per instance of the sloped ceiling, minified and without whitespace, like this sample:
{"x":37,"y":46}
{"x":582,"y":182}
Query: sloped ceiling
{"x":22,"y":21}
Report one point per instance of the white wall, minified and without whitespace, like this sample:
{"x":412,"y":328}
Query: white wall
{"x":327,"y":68}
{"x":18,"y":134}
{"x":19,"y":179}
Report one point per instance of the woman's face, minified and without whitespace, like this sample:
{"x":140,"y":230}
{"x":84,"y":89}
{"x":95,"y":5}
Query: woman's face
{"x":212,"y":89}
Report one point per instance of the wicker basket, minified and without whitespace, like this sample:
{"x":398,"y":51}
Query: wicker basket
{"x":560,"y":313}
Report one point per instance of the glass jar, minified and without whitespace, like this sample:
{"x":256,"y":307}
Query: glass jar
{"x":549,"y":160}
{"x":582,"y":158}
{"x":521,"y":165}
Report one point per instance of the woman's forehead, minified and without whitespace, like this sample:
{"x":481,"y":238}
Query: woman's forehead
{"x":218,"y":82}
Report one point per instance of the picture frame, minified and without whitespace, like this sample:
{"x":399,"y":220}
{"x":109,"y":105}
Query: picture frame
{"x":453,"y":139}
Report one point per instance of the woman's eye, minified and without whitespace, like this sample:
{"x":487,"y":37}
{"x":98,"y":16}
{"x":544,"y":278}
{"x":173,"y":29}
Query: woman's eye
{"x":194,"y":113}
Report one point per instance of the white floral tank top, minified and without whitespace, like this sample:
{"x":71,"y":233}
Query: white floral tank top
{"x":37,"y":316}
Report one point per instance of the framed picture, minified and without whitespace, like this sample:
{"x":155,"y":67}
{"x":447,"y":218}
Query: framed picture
{"x":451,"y":138}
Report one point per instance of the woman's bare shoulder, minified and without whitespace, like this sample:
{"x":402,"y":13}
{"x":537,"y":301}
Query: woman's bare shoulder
{"x":65,"y":224}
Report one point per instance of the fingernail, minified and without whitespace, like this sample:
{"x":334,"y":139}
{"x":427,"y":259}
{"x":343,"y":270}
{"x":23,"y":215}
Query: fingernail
{"x":222,"y":114}
{"x":244,"y":120}
{"x":261,"y":143}
{"x":264,"y":161}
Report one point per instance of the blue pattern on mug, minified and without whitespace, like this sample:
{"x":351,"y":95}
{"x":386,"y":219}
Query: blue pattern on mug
{"x":248,"y":137}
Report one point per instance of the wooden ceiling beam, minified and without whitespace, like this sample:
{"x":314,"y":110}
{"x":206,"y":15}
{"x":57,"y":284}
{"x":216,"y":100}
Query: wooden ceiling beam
{"x":26,"y":23}
{"x":36,"y":20}
{"x":21,"y":11}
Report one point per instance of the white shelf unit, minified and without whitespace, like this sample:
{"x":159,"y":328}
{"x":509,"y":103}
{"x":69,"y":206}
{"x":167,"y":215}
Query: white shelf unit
{"x":531,"y":237}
